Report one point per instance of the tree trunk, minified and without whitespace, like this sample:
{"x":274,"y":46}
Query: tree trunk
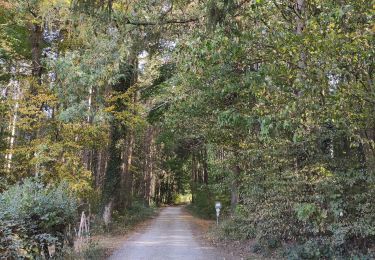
{"x":36,"y":39}
{"x":107,"y":213}
{"x":368,"y":136}
{"x":36,"y":45}
{"x":101,"y":167}
{"x":127,"y":177}
{"x":148,"y":165}
{"x":234,"y":189}
{"x":13,"y":127}
{"x":300,"y":21}
{"x":205,"y":166}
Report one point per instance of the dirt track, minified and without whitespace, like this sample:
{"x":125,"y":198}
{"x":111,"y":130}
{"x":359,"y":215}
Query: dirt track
{"x":169,"y":236}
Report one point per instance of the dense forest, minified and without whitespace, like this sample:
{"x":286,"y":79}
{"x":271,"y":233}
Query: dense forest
{"x":265,"y":105}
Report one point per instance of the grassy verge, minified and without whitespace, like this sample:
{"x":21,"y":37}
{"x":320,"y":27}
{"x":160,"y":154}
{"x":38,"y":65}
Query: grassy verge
{"x":238,"y":235}
{"x":105,"y":240}
{"x":234,"y":236}
{"x":125,"y":221}
{"x":89,"y":250}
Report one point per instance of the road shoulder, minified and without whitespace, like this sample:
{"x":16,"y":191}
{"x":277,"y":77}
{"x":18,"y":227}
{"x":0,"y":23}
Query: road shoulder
{"x":228,"y":249}
{"x":102,"y":246}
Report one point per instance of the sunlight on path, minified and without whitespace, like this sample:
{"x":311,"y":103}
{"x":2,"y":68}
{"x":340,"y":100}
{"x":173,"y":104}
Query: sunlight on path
{"x":168,"y":237}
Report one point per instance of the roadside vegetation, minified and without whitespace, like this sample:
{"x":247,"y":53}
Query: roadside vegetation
{"x":104,"y":240}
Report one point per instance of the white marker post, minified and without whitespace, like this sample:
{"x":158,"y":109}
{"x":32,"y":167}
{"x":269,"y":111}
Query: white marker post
{"x":217,"y":207}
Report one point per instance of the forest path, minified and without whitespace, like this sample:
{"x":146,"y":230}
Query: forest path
{"x":169,"y":236}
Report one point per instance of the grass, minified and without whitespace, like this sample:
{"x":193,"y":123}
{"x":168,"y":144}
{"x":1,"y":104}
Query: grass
{"x":105,"y":240}
{"x":89,"y":251}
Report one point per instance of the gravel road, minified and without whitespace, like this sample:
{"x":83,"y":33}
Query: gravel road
{"x":169,"y":236}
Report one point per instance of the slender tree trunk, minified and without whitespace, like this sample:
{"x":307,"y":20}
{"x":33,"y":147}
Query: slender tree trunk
{"x":46,"y":251}
{"x":36,"y":45}
{"x":300,"y":21}
{"x":88,"y":154}
{"x":107,"y":213}
{"x":127,"y":176}
{"x":13,"y":126}
{"x":193,"y":177}
{"x":368,"y":136}
{"x":300,"y":25}
{"x":101,"y":167}
{"x":36,"y":39}
{"x":148,"y":168}
{"x":154,"y":158}
{"x":205,"y":166}
{"x":235,"y":188}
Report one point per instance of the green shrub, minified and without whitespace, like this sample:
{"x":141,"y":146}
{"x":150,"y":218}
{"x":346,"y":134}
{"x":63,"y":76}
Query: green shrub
{"x":203,"y":203}
{"x":312,"y":249}
{"x":34,"y":217}
{"x":236,"y":229}
{"x":332,"y":218}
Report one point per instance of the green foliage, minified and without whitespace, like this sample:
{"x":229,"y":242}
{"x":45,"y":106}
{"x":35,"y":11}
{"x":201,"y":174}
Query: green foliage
{"x":291,"y":110}
{"x":33,"y":217}
{"x":126,"y":219}
{"x":203,"y":203}
{"x":265,"y":101}
{"x":182,"y":199}
{"x":136,"y":213}
{"x":13,"y":34}
{"x":236,"y":228}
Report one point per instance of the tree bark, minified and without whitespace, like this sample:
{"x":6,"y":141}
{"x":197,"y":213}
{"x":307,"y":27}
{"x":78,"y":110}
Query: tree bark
{"x":107,"y":213}
{"x":127,"y":176}
{"x":368,"y":136}
{"x":36,"y":45}
{"x":148,"y":165}
{"x":205,"y":165}
{"x":300,"y":21}
{"x":234,"y":189}
{"x":13,"y":127}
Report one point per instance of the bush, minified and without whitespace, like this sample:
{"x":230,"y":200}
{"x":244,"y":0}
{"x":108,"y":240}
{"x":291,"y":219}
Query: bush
{"x":236,"y":229}
{"x":203,"y":203}
{"x":34,"y":217}
{"x":329,"y":218}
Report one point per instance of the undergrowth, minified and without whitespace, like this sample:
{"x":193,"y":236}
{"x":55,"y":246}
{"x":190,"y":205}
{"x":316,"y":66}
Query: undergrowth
{"x":122,"y":223}
{"x":89,"y":251}
{"x":125,"y":220}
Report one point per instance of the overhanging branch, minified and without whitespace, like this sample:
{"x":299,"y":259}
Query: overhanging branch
{"x":162,"y":22}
